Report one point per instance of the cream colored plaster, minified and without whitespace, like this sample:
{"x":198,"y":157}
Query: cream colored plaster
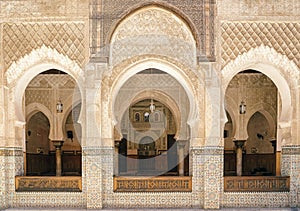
{"x":262,"y":9}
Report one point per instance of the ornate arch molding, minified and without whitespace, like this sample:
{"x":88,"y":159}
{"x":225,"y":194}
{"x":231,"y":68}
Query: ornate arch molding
{"x":185,"y":76}
{"x":20,"y":73}
{"x":266,"y":111}
{"x":283,"y":72}
{"x":34,"y":108}
{"x":40,"y":56}
{"x":160,"y":4}
{"x":151,"y":134}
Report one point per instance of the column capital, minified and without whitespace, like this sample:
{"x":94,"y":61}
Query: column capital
{"x":181,"y":143}
{"x":57,"y":143}
{"x":239,"y":143}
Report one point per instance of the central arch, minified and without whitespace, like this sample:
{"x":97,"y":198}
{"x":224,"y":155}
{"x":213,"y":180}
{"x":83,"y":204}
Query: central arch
{"x":181,"y":75}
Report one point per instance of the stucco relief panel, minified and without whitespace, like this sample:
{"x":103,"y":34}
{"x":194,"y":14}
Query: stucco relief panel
{"x":153,"y":31}
{"x":240,"y":37}
{"x":20,"y":39}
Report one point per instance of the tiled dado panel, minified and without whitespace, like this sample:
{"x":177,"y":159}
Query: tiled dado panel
{"x":239,"y":37}
{"x":213,"y":176}
{"x":291,"y":166}
{"x":150,"y":200}
{"x":207,"y":164}
{"x":11,"y":165}
{"x":3,"y":203}
{"x":93,"y":176}
{"x":255,"y":199}
{"x":49,"y":199}
{"x":197,"y":166}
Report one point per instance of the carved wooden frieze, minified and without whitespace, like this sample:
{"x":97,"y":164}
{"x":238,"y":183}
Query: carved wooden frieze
{"x":153,"y":184}
{"x":256,"y":184}
{"x":291,"y":150}
{"x":11,"y":152}
{"x":55,"y":184}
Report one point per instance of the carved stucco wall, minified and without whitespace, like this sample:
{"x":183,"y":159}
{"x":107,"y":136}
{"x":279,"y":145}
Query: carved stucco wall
{"x":153,"y":30}
{"x":199,"y":15}
{"x":247,"y":9}
{"x":68,"y":38}
{"x":240,"y":37}
{"x":46,"y":89}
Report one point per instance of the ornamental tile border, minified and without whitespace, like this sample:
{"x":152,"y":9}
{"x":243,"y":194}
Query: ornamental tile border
{"x":255,"y":199}
{"x":49,"y":199}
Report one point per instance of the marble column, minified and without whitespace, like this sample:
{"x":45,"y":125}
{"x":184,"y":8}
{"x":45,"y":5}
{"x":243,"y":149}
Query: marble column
{"x":180,"y":148}
{"x":58,"y":144}
{"x":239,"y":156}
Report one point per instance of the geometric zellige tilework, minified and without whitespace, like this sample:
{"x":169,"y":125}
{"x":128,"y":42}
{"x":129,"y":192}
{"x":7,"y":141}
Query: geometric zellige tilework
{"x":240,"y":37}
{"x":20,"y":39}
{"x":256,"y":199}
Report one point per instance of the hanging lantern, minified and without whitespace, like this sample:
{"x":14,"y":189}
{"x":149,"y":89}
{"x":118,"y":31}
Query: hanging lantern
{"x":59,"y":107}
{"x":242,"y":108}
{"x":152,"y":106}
